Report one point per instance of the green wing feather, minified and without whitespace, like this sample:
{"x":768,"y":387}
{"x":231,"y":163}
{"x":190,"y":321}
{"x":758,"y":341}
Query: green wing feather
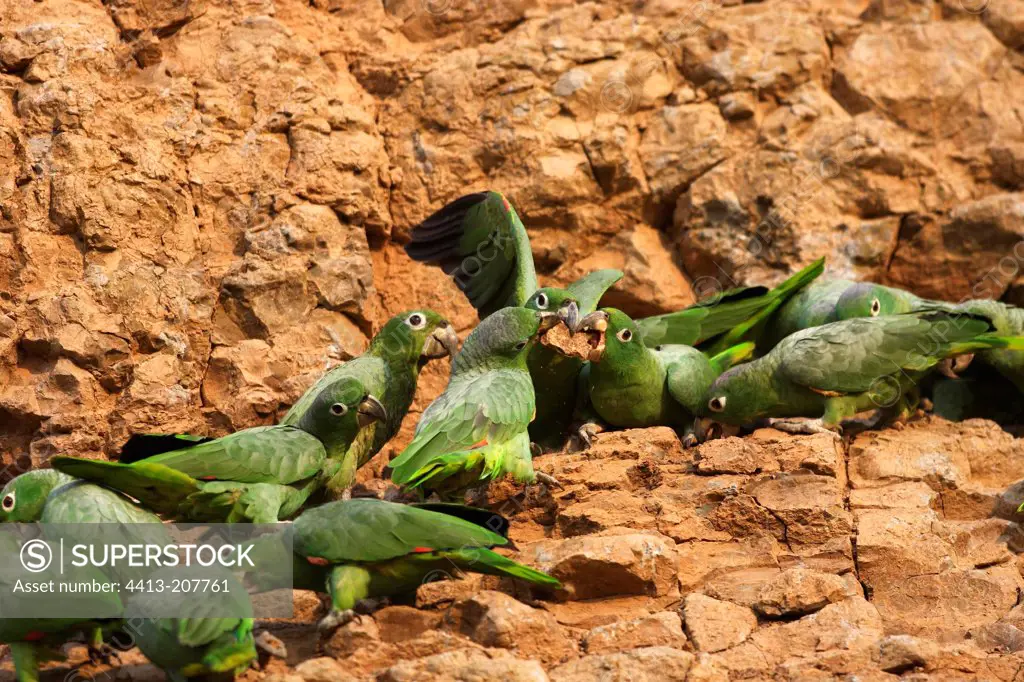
{"x":480,"y":241}
{"x":368,"y":530}
{"x":738,"y":311}
{"x":589,"y":289}
{"x":266,"y":454}
{"x":851,"y":356}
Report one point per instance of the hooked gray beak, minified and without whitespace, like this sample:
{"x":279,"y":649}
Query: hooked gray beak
{"x":547,"y":321}
{"x":702,"y":428}
{"x":443,"y":342}
{"x":370,"y":411}
{"x":594,"y":326}
{"x":569,"y":313}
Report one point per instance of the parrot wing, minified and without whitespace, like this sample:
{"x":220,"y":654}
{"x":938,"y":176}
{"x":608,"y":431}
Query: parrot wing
{"x":852,"y":356}
{"x":493,"y":407}
{"x":479,"y":240}
{"x":368,"y":530}
{"x":589,"y":289}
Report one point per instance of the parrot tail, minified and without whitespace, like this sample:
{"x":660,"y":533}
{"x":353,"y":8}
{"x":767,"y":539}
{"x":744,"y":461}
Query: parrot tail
{"x":986,"y":342}
{"x":799,"y":280}
{"x":732,"y":356}
{"x":156,"y":486}
{"x":482,"y":560}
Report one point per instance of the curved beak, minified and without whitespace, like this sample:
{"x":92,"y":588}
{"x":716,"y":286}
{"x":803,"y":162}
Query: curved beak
{"x":594,"y":326}
{"x":442,"y":342}
{"x":370,"y":411}
{"x":569,"y":313}
{"x":548,"y":320}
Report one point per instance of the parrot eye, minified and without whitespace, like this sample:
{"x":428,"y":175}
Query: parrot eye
{"x":876,"y":307}
{"x":542,"y":301}
{"x":416,"y":321}
{"x":625,"y":336}
{"x":521,"y":345}
{"x":717,"y":404}
{"x":8,"y":503}
{"x":339,"y":409}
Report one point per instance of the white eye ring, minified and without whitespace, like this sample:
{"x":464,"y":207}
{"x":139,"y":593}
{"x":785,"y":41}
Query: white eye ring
{"x":717,"y":404}
{"x":8,"y":503}
{"x":542,"y":301}
{"x":416,"y":321}
{"x":625,"y":336}
{"x":876,"y":307}
{"x":339,"y":409}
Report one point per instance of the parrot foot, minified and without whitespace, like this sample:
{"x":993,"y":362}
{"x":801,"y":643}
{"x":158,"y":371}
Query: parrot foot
{"x":369,"y":605}
{"x":536,"y":450}
{"x":548,"y":480}
{"x":805,"y":426}
{"x":336,"y":619}
{"x":103,"y":654}
{"x":586,"y":433}
{"x":346,"y":494}
{"x":927,"y":405}
{"x":271,"y":644}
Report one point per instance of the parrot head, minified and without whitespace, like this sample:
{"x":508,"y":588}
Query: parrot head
{"x":417,"y":335}
{"x":23,"y":498}
{"x":865,"y":299}
{"x":508,"y":334}
{"x":732,"y":398}
{"x":342,"y":409}
{"x":612,"y":335}
{"x":558,"y":300}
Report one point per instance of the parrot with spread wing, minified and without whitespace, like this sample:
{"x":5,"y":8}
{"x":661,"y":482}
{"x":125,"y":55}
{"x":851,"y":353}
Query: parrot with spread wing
{"x":368,"y":549}
{"x":260,"y":474}
{"x":480,"y":241}
{"x":632,"y":386}
{"x":477,"y":428}
{"x":835,"y":371}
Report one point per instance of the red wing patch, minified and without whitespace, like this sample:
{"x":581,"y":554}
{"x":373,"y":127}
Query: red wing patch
{"x":317,"y":561}
{"x":207,"y":478}
{"x":34,"y":636}
{"x":422,"y":550}
{"x":478,"y":444}
{"x":504,"y":202}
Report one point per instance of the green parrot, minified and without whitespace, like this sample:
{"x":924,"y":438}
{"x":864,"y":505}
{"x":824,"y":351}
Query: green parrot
{"x":835,"y":300}
{"x":835,"y":371}
{"x":366,"y":549}
{"x":36,"y":640}
{"x":207,"y":641}
{"x":389,"y":369}
{"x":260,"y":474}
{"x":480,"y":241}
{"x":50,"y":497}
{"x":477,"y":428}
{"x":632,"y":386}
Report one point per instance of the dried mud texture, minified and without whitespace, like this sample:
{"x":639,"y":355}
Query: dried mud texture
{"x":202,"y":206}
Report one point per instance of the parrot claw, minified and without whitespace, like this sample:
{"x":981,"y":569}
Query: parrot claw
{"x":336,"y":619}
{"x":271,"y":644}
{"x":805,"y":426}
{"x":368,"y":606}
{"x":548,"y":480}
{"x":104,"y":654}
{"x":586,"y":433}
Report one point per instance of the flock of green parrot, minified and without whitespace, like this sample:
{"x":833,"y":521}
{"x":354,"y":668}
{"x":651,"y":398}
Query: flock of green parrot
{"x":802,"y":357}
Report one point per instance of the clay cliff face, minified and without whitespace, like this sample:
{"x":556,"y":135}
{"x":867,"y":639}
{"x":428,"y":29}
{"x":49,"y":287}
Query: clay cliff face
{"x":202,"y":202}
